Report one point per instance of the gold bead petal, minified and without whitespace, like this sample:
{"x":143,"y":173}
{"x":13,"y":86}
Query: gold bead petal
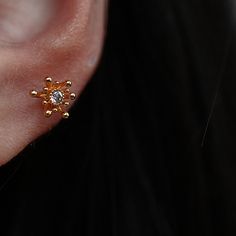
{"x":65,"y":115}
{"x":48,"y":113}
{"x":48,"y":80}
{"x":72,"y":96}
{"x":66,"y":104}
{"x":33,"y":93}
{"x":68,"y":83}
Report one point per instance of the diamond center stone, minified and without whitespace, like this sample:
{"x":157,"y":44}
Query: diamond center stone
{"x":56,"y":97}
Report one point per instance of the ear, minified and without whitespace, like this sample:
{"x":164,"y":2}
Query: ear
{"x":57,"y":38}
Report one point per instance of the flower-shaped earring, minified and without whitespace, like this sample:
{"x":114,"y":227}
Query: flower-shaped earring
{"x":55,"y":97}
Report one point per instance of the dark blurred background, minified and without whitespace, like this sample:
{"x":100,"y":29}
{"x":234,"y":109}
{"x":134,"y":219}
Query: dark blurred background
{"x":150,"y":148}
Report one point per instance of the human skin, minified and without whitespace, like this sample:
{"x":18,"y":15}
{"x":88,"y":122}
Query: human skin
{"x":57,"y":38}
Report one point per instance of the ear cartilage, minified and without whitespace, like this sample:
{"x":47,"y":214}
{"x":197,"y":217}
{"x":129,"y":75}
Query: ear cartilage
{"x":55,"y":97}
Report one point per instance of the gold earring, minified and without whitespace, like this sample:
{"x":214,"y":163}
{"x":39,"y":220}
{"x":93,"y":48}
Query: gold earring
{"x":55,"y":97}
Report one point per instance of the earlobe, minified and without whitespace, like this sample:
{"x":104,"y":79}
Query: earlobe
{"x":67,"y":47}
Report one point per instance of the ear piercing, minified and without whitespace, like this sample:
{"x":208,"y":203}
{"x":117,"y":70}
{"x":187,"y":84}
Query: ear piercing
{"x":55,"y":97}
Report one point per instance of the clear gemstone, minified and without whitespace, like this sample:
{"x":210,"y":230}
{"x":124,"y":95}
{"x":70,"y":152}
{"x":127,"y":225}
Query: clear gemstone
{"x":56,"y":97}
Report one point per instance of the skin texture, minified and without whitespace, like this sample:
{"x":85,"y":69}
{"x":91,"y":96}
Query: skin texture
{"x":65,"y":45}
{"x":23,"y":19}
